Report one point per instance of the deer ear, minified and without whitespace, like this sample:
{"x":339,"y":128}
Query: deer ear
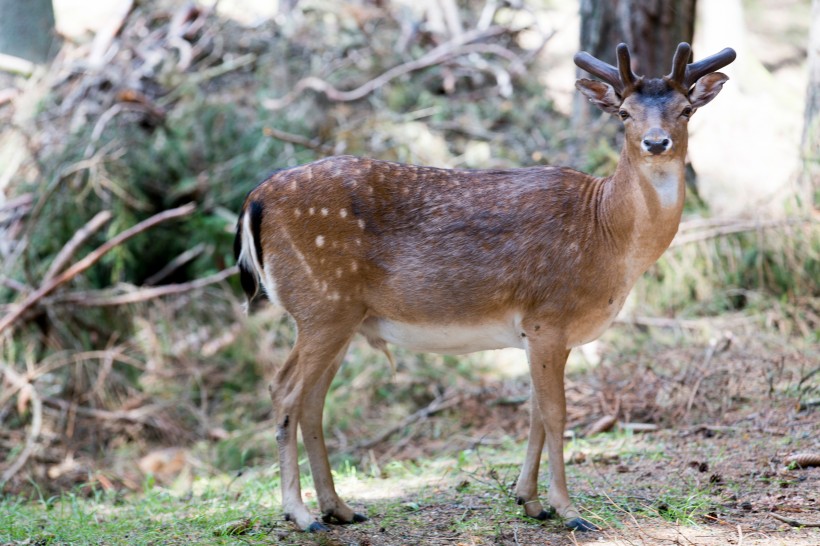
{"x":707,"y":88}
{"x":600,"y":94}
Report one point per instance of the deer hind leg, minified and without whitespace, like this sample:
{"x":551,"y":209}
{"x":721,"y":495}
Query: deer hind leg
{"x":548,"y":358}
{"x":526,"y":490}
{"x":310,"y":358}
{"x":331,"y":506}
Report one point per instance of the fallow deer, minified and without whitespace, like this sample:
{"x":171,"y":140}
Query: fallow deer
{"x":455,"y":261}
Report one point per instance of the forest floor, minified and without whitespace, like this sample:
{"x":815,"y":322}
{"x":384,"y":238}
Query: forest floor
{"x":717,"y":469}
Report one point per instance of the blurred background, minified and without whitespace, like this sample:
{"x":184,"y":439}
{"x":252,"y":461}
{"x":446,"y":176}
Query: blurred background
{"x":132,"y":130}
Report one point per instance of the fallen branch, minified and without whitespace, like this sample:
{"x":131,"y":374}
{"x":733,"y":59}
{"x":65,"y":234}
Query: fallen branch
{"x":36,"y":422}
{"x":175,"y":264}
{"x":95,"y":299}
{"x":793,"y":522}
{"x":447,"y":50}
{"x":90,"y":260}
{"x":719,"y":229}
{"x":70,"y":248}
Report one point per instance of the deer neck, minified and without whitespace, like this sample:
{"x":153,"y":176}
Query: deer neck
{"x":656,"y":194}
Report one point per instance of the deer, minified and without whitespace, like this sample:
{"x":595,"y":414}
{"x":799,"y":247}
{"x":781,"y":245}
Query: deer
{"x":454,"y":261}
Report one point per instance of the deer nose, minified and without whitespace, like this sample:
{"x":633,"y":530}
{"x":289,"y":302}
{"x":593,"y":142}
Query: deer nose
{"x":656,"y":141}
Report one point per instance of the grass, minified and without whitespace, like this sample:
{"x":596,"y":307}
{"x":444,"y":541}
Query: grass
{"x":151,"y":518}
{"x":467,"y":493}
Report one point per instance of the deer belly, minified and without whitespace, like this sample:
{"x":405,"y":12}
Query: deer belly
{"x":444,"y":338}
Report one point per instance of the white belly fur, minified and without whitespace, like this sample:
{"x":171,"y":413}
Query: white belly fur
{"x":446,"y":338}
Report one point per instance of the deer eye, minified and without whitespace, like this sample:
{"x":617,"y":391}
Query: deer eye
{"x":623,"y":114}
{"x":687,"y":111}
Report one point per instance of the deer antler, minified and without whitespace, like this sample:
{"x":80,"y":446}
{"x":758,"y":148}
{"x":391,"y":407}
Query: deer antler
{"x":687,"y":74}
{"x":708,"y":65}
{"x":621,"y":78}
{"x":625,"y":67}
{"x":679,"y":61}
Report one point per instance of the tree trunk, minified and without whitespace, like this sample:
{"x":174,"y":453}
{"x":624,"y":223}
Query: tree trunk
{"x":652,"y":29}
{"x":811,"y":126}
{"x":27,"y":29}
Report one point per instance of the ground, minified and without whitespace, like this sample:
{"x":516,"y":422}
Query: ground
{"x":720,"y":421}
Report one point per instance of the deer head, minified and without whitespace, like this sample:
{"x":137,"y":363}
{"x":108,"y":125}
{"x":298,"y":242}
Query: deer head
{"x":654,"y":111}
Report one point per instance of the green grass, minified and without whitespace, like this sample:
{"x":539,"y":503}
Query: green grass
{"x":155,"y":516}
{"x":203,"y":513}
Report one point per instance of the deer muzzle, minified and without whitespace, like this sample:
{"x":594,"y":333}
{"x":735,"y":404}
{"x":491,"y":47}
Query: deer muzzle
{"x":656,"y":141}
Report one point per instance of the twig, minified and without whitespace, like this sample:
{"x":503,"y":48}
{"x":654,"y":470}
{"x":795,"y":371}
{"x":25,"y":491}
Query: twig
{"x":70,"y":248}
{"x":175,"y":264}
{"x":16,"y":65}
{"x":808,"y":376}
{"x":36,"y":422}
{"x":208,"y":74}
{"x":447,"y":50}
{"x":299,"y":140}
{"x":89,"y":260}
{"x":15,"y":285}
{"x":51,"y":363}
{"x":92,"y":299}
{"x":22,"y":201}
{"x":688,"y":324}
{"x":105,"y":36}
{"x":141,"y":416}
{"x":720,"y":229}
{"x":439,"y":404}
{"x":793,"y":522}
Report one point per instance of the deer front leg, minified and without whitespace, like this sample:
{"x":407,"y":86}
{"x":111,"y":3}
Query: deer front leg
{"x":331,"y":506}
{"x":548,"y":357}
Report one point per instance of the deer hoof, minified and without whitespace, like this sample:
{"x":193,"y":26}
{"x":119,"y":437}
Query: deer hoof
{"x":580,"y":524}
{"x":317,"y":527}
{"x":545,"y":514}
{"x":330,"y":517}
